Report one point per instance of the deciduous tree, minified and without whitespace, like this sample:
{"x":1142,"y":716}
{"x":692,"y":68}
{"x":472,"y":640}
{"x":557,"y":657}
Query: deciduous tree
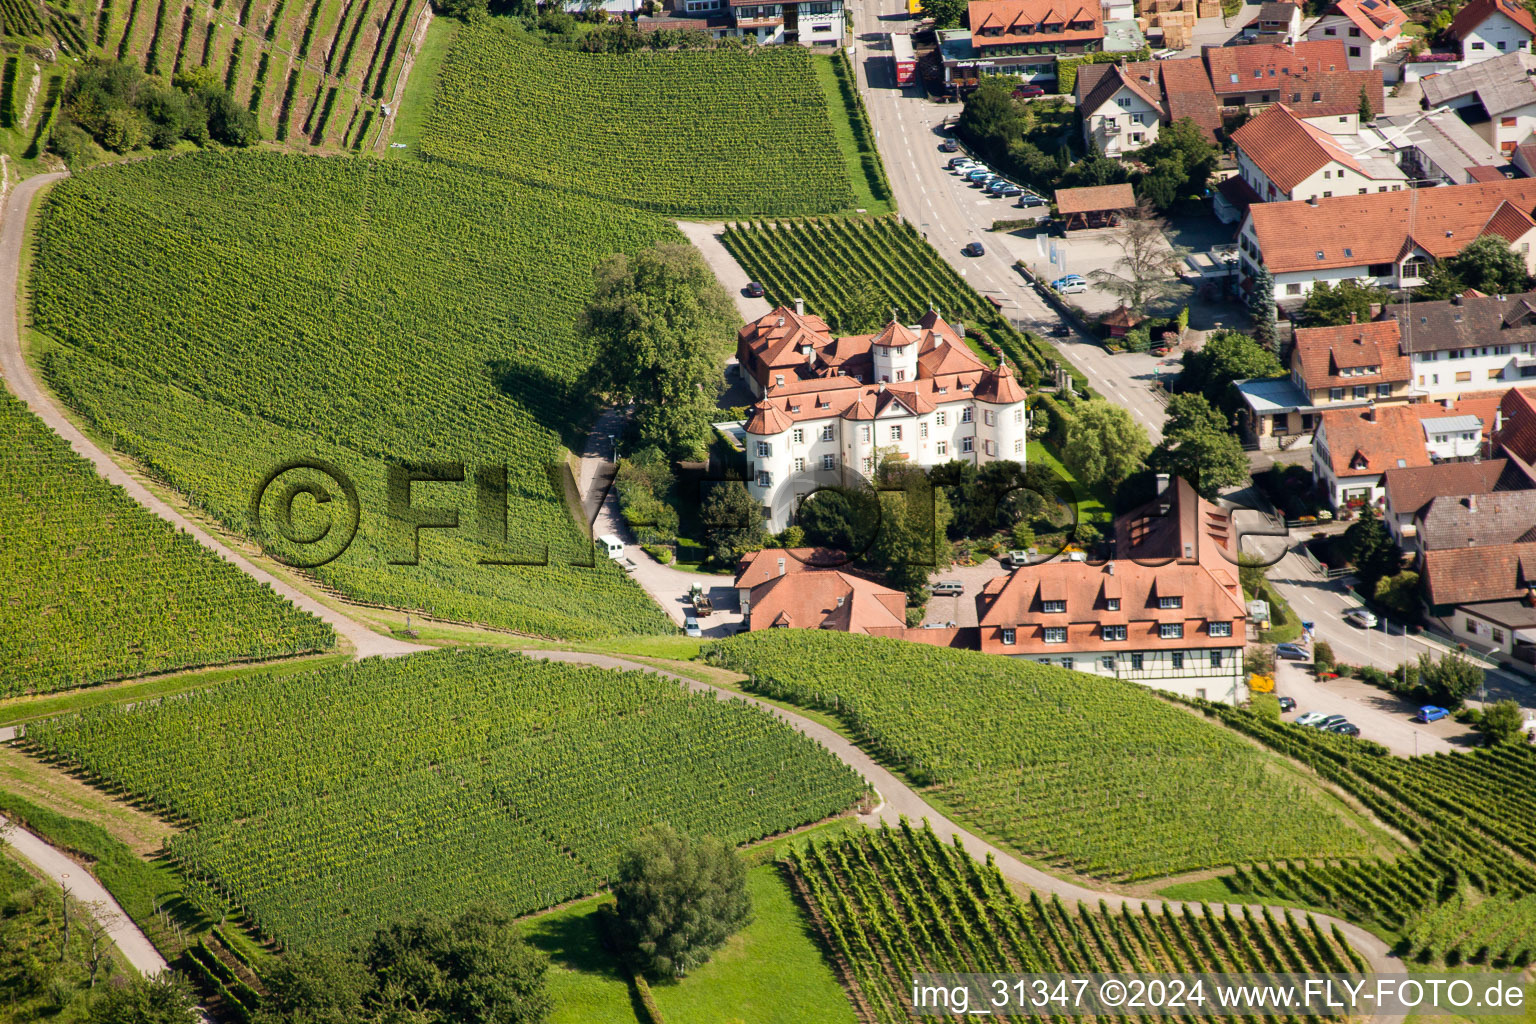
{"x":1449,"y":680}
{"x":1489,"y":264}
{"x":1501,"y":722}
{"x":732,"y":521}
{"x":678,"y":899}
{"x":1226,"y":356}
{"x":1199,"y":446}
{"x":1103,"y":443}
{"x":1331,"y":305}
{"x":1148,"y":266}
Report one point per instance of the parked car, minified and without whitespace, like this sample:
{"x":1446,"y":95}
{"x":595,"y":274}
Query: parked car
{"x":1291,"y":652}
{"x":974,"y":249}
{"x":956,"y":161}
{"x":947,"y":588}
{"x":979,"y":173}
{"x":1061,"y":331}
{"x":1015,"y":559}
{"x":1029,"y":199}
{"x":1072,"y":284}
{"x":1431,"y":713}
{"x":1287,"y":704}
{"x":1028,"y":92}
{"x":753,"y":290}
{"x":1310,"y":718}
{"x":1007,"y":191}
{"x":1362,"y":617}
{"x":1329,"y":721}
{"x":691,"y":626}
{"x":949,"y":146}
{"x":1346,"y":729}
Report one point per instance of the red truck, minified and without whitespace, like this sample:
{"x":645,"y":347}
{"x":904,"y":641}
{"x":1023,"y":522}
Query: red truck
{"x":904,"y":57}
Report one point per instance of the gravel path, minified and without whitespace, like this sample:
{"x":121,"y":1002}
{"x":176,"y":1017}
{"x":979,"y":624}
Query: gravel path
{"x":18,"y":377}
{"x":900,"y":800}
{"x":66,"y":873}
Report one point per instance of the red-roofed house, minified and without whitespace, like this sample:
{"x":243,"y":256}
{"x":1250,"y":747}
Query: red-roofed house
{"x":1353,"y":363}
{"x":1369,"y":29}
{"x":1167,"y":612}
{"x":1312,"y":78}
{"x":1124,"y":105}
{"x":1382,"y":238}
{"x":1354,"y":448}
{"x":831,"y":407}
{"x":1489,"y":28}
{"x":1282,"y":157}
{"x":1013,"y":27}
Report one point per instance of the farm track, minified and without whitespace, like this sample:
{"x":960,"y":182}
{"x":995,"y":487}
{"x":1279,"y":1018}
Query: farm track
{"x":19,"y":379}
{"x":899,"y":800}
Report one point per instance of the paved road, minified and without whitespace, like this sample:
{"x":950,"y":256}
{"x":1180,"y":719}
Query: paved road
{"x":1380,"y":716}
{"x":899,"y":800}
{"x":950,"y":214}
{"x":706,"y":238}
{"x":66,"y":873}
{"x":18,"y":377}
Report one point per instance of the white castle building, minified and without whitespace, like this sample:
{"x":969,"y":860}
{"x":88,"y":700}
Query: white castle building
{"x":830,"y":407}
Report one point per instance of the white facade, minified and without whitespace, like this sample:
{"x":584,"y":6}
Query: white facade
{"x":1332,"y":179}
{"x":1294,"y":286}
{"x":1448,"y":373}
{"x":809,"y":23}
{"x":833,"y":450}
{"x":1191,"y":673}
{"x":1124,"y":124}
{"x":1497,"y":35}
{"x":1362,"y":52}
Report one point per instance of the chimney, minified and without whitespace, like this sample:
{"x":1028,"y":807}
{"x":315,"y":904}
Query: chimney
{"x":840,"y":599}
{"x":1162,"y":483}
{"x":1353,"y":316}
{"x":1312,"y":200}
{"x":881,"y":386}
{"x":960,"y":329}
{"x":1109,"y":567}
{"x":1456,"y":300}
{"x":1370,"y":413}
{"x":1449,"y":403}
{"x":800,"y":307}
{"x":1498,"y":420}
{"x":1472,"y":504}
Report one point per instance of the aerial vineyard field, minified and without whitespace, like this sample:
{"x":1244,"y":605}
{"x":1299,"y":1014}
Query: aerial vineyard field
{"x":726,"y":132}
{"x":1467,"y":893}
{"x":1089,"y":773}
{"x":327,"y":802}
{"x":894,"y":903}
{"x":222,"y":315}
{"x":93,"y":587}
{"x":835,"y":263}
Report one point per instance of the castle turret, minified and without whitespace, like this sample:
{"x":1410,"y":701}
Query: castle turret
{"x":894,"y":351}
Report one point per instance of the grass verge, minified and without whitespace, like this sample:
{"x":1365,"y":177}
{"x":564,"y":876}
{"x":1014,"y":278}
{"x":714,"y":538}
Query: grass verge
{"x":420,"y":87}
{"x":850,"y":125}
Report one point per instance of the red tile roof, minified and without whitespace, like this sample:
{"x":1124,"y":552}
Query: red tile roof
{"x":1094,"y":198}
{"x":1517,"y":433}
{"x":1365,"y":442}
{"x":812,"y":588}
{"x":1325,"y":352}
{"x":1381,"y":227}
{"x":1288,"y":150}
{"x":1264,"y":65}
{"x":1475,"y":12}
{"x":1025,"y":21}
{"x":998,"y":387}
{"x":1409,"y":490}
{"x":1178,"y":88}
{"x":1498,"y":572}
{"x":1374,"y":18}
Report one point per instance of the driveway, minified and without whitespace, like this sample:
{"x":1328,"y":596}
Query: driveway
{"x":961,"y":609}
{"x":667,"y":586}
{"x":706,"y":239}
{"x":950,"y":214}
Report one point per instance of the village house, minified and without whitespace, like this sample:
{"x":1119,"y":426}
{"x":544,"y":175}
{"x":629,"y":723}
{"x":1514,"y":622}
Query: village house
{"x":1354,"y":448}
{"x":1484,"y":29}
{"x":831,"y":408}
{"x":1124,"y":105}
{"x":1381,"y":238}
{"x":1496,"y":97}
{"x":1410,"y":492}
{"x":1369,"y":29}
{"x":1276,"y":22}
{"x":1312,"y":78}
{"x":1282,"y":158}
{"x":806,"y":22}
{"x":1166,"y":611}
{"x":1465,"y":343}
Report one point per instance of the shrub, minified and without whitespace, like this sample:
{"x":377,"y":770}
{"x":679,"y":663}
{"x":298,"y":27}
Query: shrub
{"x":1322,"y":657}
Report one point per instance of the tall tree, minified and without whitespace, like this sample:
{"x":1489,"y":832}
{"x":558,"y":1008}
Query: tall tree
{"x":1148,"y":266}
{"x":1370,"y":548}
{"x":732,"y":521}
{"x":1103,"y":443}
{"x":945,"y":13}
{"x":1199,"y":446}
{"x":1366,"y":110}
{"x":166,"y":999}
{"x":1225,"y":357}
{"x":678,"y":899}
{"x":1489,"y":265}
{"x":1181,"y":162}
{"x":660,"y":327}
{"x":1330,"y":305}
{"x":1261,"y":311}
{"x":1502,"y":723}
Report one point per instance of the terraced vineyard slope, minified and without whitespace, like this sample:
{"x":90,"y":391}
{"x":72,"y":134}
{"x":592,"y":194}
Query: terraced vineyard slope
{"x":1091,"y":774}
{"x":219,"y":316}
{"x":894,"y":903}
{"x":325,"y":803}
{"x":1467,"y":893}
{"x":717,"y":133}
{"x":836,"y":264}
{"x":93,"y":587}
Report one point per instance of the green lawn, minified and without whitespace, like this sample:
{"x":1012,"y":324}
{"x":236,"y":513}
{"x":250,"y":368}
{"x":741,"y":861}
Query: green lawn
{"x":855,"y":149}
{"x":771,"y":972}
{"x":1093,"y":504}
{"x":416,"y":101}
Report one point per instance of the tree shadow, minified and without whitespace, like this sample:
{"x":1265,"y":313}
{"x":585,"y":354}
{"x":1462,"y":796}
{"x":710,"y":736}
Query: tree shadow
{"x":573,"y":941}
{"x":554,"y":401}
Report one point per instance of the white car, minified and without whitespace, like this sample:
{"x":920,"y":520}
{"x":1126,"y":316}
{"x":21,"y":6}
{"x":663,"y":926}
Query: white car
{"x":1310,"y":718}
{"x":1362,"y":617}
{"x":691,"y":626}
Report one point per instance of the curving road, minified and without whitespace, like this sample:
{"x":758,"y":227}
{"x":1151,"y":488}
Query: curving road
{"x":18,"y":377}
{"x":899,"y":800}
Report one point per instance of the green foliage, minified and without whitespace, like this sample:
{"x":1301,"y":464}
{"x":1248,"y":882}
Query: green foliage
{"x":1501,"y":722}
{"x":1399,"y":593}
{"x":715,"y":133}
{"x":1450,"y":679}
{"x":998,"y":495}
{"x":1261,"y":311}
{"x":166,"y":999}
{"x":678,"y":899}
{"x":1489,"y":265}
{"x":732,"y":521}
{"x":517,"y":781}
{"x":891,"y":901}
{"x":1366,"y":111}
{"x":1066,"y":67}
{"x":1076,"y":787}
{"x":852,"y":272}
{"x":1199,"y":446}
{"x":1329,"y":305}
{"x":1322,"y":656}
{"x":45,"y":970}
{"x":123,"y":109}
{"x":1370,"y":549}
{"x":143,"y":596}
{"x":1103,"y":443}
{"x":645,"y":483}
{"x":659,"y":327}
{"x":1181,"y":162}
{"x":215,"y":341}
{"x":1265,"y":705}
{"x":1227,"y":356}
{"x":945,"y":13}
